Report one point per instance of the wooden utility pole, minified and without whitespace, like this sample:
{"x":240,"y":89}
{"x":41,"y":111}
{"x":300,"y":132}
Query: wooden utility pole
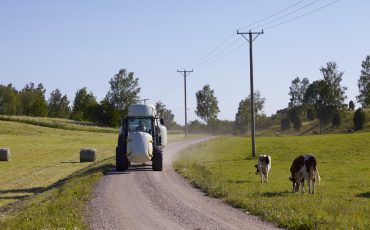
{"x":184,"y":72}
{"x":250,"y":39}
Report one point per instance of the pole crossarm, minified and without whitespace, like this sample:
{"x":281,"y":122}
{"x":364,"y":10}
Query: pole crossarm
{"x":249,"y":33}
{"x":184,"y":72}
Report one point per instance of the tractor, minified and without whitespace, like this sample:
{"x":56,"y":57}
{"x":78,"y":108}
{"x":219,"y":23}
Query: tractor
{"x":142,"y":137}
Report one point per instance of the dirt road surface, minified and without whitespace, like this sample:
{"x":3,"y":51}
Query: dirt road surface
{"x":140,"y":198}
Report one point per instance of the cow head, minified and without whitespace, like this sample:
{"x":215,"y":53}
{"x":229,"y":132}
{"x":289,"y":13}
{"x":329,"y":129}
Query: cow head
{"x":257,"y":171}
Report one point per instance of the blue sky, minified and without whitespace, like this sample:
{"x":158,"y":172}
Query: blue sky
{"x":72,"y":44}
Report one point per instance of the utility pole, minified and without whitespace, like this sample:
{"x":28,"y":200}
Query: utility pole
{"x":250,"y":39}
{"x":184,"y":72}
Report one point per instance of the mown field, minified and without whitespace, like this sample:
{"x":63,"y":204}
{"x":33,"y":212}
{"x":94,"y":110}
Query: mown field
{"x":59,"y":123}
{"x":342,"y":201}
{"x":41,"y":156}
{"x":44,"y":186}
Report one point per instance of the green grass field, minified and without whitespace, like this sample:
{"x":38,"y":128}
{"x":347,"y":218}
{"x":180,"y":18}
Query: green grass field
{"x":342,"y":200}
{"x":44,"y":186}
{"x":41,"y":156}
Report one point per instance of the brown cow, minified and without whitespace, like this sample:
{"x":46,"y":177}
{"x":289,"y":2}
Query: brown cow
{"x":303,"y":168}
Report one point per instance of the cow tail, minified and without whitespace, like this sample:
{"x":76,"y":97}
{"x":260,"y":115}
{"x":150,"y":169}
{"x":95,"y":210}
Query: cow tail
{"x":318,"y":178}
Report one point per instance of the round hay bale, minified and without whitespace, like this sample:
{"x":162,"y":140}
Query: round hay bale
{"x":87,"y":155}
{"x":4,"y":154}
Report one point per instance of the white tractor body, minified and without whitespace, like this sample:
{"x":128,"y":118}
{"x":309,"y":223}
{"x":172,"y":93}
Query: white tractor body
{"x":139,"y":147}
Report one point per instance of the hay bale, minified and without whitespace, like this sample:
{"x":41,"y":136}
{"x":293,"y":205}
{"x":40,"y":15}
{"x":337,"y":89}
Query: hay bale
{"x":4,"y":154}
{"x":87,"y":155}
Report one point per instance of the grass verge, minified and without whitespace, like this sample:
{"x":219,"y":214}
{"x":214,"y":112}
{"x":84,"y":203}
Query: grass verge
{"x":60,"y":206}
{"x":220,"y":168}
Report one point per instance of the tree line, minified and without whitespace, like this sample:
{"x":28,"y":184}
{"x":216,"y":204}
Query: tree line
{"x":322,"y":99}
{"x":31,"y":101}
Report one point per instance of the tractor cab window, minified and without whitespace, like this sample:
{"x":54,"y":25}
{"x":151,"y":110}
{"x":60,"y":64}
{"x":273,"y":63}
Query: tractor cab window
{"x":140,"y":125}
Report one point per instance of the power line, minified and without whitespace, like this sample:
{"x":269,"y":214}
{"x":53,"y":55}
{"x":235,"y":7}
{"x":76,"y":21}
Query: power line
{"x":222,"y":57}
{"x":273,"y":15}
{"x":300,"y":16}
{"x":218,"y":53}
{"x":213,"y":52}
{"x":286,"y":15}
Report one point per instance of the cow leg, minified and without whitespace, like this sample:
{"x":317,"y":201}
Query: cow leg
{"x":267,"y":176}
{"x":302,"y":185}
{"x":309,"y":186}
{"x":313,"y":186}
{"x":261,"y":176}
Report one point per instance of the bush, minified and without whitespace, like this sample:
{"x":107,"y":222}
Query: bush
{"x":285,"y":123}
{"x":336,"y":119}
{"x":359,"y":119}
{"x":310,"y":114}
{"x":297,"y":123}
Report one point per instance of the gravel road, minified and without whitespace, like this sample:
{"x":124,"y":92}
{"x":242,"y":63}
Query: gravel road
{"x":140,"y":198}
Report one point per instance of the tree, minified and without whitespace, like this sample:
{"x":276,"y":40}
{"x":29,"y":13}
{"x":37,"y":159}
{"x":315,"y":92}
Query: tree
{"x":207,"y":104}
{"x":166,"y":114}
{"x":351,"y":105}
{"x":105,"y":113}
{"x":327,"y":95}
{"x":124,"y":90}
{"x":336,"y":118}
{"x":9,"y":100}
{"x":336,"y":93}
{"x":32,"y":100}
{"x":82,"y":105}
{"x":243,"y":116}
{"x":297,"y":91}
{"x":364,"y":84}
{"x":58,"y":105}
{"x":359,"y":118}
{"x":285,"y":123}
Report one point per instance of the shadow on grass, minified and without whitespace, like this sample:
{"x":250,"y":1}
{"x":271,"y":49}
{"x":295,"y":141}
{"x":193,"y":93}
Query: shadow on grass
{"x":238,"y":181}
{"x":275,"y":194}
{"x":364,"y":195}
{"x":13,"y":197}
{"x":71,"y":162}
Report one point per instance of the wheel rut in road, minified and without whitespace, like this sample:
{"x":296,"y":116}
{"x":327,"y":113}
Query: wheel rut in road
{"x":140,"y":198}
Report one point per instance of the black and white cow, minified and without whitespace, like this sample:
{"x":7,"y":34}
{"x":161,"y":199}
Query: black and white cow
{"x":263,"y":167}
{"x":304,"y":168}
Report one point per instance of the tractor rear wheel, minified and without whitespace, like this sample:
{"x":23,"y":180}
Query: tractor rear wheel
{"x":157,"y":160}
{"x":122,"y":162}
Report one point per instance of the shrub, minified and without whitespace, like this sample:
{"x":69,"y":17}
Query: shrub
{"x":297,"y":123}
{"x":336,"y":119}
{"x":285,"y":123}
{"x":359,"y":119}
{"x":310,"y":114}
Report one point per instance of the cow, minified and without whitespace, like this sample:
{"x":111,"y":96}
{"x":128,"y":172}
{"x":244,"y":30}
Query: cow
{"x":263,"y":167}
{"x":304,"y":167}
